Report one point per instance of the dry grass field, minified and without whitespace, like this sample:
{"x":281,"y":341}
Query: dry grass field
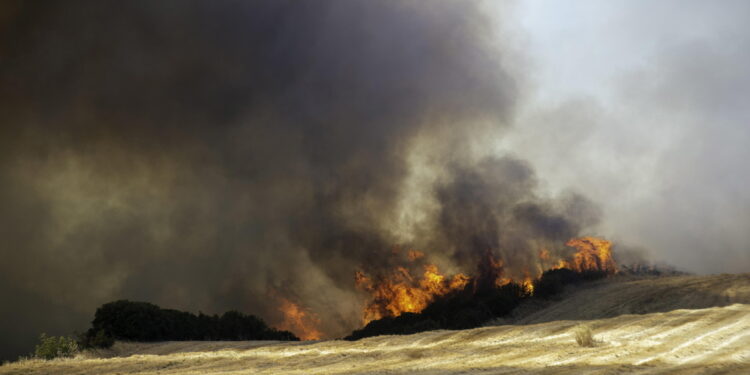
{"x":670,"y":325}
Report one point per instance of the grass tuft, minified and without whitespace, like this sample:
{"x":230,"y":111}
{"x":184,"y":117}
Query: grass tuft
{"x":583,"y":336}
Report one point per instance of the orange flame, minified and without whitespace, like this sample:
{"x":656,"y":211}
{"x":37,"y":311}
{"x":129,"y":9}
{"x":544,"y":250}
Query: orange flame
{"x":502,"y":281}
{"x":299,"y":321}
{"x":594,"y":254}
{"x":400,"y":292}
{"x":528,"y":285}
{"x":561,"y":264}
{"x":528,"y":282}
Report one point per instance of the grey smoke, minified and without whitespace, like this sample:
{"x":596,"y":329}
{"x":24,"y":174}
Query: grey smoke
{"x":212,"y":155}
{"x":642,"y":107}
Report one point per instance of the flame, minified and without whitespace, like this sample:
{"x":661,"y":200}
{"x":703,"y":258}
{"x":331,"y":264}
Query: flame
{"x":299,"y":321}
{"x":594,"y":254}
{"x":528,"y":285}
{"x":401,"y":292}
{"x":458,"y":281}
{"x":528,"y":282}
{"x":561,"y":264}
{"x":501,"y":281}
{"x":493,"y":269}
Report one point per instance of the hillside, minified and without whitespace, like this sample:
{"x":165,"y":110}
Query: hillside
{"x":681,"y":324}
{"x":638,"y":295}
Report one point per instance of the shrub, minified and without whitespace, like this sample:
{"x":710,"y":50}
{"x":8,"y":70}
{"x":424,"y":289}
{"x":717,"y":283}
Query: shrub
{"x":95,"y":339}
{"x":141,"y":321}
{"x":463,"y":309}
{"x":583,"y":336}
{"x":50,"y":347}
{"x":552,"y":282}
{"x":404,"y":324}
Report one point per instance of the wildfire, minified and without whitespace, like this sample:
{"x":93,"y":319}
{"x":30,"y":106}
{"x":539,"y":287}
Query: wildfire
{"x":594,"y":254}
{"x":398,"y":291}
{"x":528,"y":282}
{"x":401,"y":292}
{"x":299,"y":321}
{"x":528,"y":285}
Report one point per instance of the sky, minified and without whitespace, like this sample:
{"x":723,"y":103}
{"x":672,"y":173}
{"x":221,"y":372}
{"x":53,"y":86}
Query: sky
{"x":223,"y":155}
{"x":648,"y":102}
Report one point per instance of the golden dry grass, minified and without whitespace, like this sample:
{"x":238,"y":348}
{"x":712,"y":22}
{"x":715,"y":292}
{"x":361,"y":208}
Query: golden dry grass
{"x":583,"y":336}
{"x":683,"y":341}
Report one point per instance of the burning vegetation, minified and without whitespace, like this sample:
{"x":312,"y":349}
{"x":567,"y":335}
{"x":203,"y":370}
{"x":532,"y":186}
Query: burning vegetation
{"x":401,"y":292}
{"x":594,"y":254}
{"x":299,"y":320}
{"x":400,"y":302}
{"x":399,"y":148}
{"x":415,"y":295}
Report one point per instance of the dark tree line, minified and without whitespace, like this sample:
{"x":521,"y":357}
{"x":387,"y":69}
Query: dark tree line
{"x":142,"y":321}
{"x":468,"y":308}
{"x":474,"y":305}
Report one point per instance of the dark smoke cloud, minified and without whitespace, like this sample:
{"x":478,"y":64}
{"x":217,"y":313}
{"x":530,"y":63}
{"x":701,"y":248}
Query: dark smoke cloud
{"x":211,"y":155}
{"x":493,"y":206}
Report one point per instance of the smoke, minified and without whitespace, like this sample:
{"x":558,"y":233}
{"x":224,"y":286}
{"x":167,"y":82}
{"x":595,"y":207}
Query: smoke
{"x":642,"y":106}
{"x":222,"y":155}
{"x":493,"y":207}
{"x":213,"y":155}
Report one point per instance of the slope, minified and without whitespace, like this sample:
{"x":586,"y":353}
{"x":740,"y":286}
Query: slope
{"x":685,"y":341}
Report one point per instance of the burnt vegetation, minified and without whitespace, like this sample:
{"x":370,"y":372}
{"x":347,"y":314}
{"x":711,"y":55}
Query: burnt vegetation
{"x":141,"y":321}
{"x":475,"y":305}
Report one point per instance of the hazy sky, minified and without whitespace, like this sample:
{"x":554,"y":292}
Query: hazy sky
{"x":644,"y":107}
{"x":216,"y":155}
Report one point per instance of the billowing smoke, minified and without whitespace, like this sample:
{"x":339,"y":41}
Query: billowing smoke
{"x":224,"y":155}
{"x":493,"y":206}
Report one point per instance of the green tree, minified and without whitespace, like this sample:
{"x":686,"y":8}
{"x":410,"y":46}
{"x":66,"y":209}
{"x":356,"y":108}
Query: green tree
{"x":51,"y":347}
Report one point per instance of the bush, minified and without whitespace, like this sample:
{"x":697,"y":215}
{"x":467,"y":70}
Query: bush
{"x":97,"y":339}
{"x":463,"y":309}
{"x":553,"y":282}
{"x":583,"y":336}
{"x":51,"y":347}
{"x":142,"y":321}
{"x":404,"y":324}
